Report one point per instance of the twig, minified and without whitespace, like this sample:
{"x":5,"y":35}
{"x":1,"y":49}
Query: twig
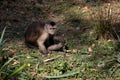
{"x":52,"y":58}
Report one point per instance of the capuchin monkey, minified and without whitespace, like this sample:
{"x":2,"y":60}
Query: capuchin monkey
{"x":41,"y":35}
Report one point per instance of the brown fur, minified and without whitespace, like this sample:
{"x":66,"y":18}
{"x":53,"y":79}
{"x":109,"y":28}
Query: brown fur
{"x":33,"y":32}
{"x":36,"y":35}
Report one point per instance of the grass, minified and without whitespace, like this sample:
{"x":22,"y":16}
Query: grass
{"x":89,"y":59}
{"x":2,"y":35}
{"x":90,"y":65}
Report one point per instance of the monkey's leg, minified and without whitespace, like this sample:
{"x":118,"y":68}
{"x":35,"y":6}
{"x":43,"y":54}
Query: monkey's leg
{"x":55,"y":47}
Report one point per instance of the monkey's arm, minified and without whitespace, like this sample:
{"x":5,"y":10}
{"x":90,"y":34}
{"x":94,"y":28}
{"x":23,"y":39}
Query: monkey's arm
{"x":59,"y":43}
{"x":42,"y":48}
{"x":41,"y":45}
{"x":55,"y":47}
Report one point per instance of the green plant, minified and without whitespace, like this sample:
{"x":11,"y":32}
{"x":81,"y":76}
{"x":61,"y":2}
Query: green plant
{"x":4,"y":69}
{"x":16,"y":71}
{"x":2,"y":35}
{"x":104,"y":26}
{"x":61,"y":76}
{"x":1,"y":44}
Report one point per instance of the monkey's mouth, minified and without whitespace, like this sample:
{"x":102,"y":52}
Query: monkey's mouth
{"x":52,"y":33}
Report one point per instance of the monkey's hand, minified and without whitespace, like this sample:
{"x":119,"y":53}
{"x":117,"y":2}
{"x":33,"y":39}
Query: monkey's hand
{"x":55,"y":47}
{"x":47,"y":53}
{"x":43,"y":51}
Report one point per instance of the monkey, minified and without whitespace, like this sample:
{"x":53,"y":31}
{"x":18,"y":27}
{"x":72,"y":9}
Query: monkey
{"x":41,"y":35}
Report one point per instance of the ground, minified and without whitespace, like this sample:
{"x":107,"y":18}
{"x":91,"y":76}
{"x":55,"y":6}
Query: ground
{"x":87,"y":57}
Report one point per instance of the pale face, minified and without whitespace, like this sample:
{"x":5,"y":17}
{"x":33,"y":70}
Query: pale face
{"x":50,"y":29}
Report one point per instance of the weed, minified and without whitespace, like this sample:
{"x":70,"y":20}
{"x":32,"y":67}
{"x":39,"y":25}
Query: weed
{"x":104,"y":28}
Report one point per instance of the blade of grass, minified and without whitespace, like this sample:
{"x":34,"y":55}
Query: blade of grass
{"x":9,"y":61}
{"x":16,"y":71}
{"x":61,"y":76}
{"x":1,"y":38}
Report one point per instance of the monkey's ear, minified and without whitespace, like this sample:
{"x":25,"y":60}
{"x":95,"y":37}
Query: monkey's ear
{"x":47,"y":25}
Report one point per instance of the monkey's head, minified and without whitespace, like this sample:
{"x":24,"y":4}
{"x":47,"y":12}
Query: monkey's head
{"x":51,"y":28}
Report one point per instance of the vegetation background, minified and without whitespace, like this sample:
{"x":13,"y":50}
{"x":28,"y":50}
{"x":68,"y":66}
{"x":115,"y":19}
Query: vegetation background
{"x":92,"y":34}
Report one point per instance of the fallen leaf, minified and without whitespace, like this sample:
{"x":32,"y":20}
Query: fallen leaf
{"x":12,"y":51}
{"x":85,"y":9}
{"x":90,"y":49}
{"x":84,"y":69}
{"x":109,"y":40}
{"x":74,"y":50}
{"x":108,"y":4}
{"x":101,"y":64}
{"x":28,"y":57}
{"x":15,"y":62}
{"x":48,"y":55}
{"x":93,"y":45}
{"x":67,"y":54}
{"x":33,"y":73}
{"x":68,"y":51}
{"x":93,"y":70}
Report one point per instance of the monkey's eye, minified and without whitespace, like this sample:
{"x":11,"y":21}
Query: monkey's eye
{"x":52,"y":28}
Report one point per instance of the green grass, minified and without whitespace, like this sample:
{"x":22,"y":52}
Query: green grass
{"x":88,"y":64}
{"x":2,"y":35}
{"x":93,"y":60}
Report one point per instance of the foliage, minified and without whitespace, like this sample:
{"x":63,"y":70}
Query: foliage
{"x":4,"y":73}
{"x":104,"y":27}
{"x":5,"y":70}
{"x":88,"y":59}
{"x":16,"y":71}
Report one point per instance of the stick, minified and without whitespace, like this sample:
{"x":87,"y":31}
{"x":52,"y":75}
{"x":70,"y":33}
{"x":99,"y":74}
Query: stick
{"x":52,"y":58}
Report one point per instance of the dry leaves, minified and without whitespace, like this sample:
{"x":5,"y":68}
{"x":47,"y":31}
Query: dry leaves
{"x":72,"y":51}
{"x":85,"y":9}
{"x":84,"y":69}
{"x":93,"y":45}
{"x":12,"y":51}
{"x":33,"y":73}
{"x":90,"y":50}
{"x":101,"y":64}
{"x":16,"y":62}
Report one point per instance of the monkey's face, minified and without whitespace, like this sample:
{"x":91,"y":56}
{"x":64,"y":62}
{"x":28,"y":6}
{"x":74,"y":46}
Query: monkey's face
{"x":51,"y":29}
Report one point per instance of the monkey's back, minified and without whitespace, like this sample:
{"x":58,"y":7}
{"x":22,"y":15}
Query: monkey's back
{"x":33,"y":32}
